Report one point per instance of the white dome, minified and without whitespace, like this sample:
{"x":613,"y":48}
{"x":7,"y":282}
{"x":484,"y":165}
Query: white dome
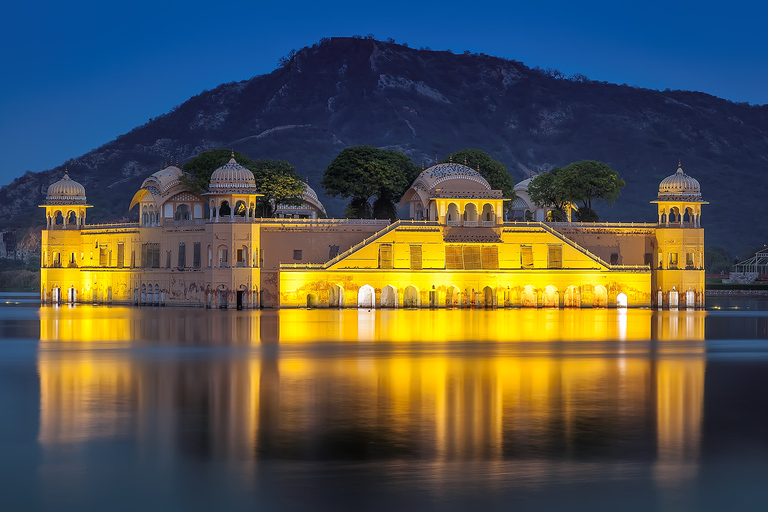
{"x":232,"y":177}
{"x":436,"y":174}
{"x":65,"y":191}
{"x":679,"y":186}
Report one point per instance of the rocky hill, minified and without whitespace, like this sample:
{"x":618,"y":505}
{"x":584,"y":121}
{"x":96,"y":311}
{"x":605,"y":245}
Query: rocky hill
{"x":349,"y":91}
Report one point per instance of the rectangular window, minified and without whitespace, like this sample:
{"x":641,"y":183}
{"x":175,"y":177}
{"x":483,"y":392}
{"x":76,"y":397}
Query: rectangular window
{"x":120,"y":254}
{"x":255,"y":258}
{"x":144,"y":258}
{"x":56,"y":259}
{"x":415,"y":257}
{"x":182,"y":256}
{"x":196,"y":255}
{"x":72,"y":261}
{"x":472,"y":257}
{"x":385,"y":256}
{"x":223,"y":257}
{"x":689,"y":260}
{"x":661,"y":261}
{"x":167,"y":259}
{"x":490,"y":257}
{"x":453,"y":257}
{"x":333,"y":251}
{"x":555,"y":256}
{"x":526,"y":256}
{"x":297,"y":254}
{"x":133,"y":259}
{"x":155,"y":255}
{"x":673,"y":261}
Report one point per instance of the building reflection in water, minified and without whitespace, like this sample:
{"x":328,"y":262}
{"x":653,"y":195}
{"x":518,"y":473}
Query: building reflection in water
{"x":383,"y":385}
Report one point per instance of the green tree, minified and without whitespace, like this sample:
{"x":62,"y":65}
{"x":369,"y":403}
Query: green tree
{"x":718,"y":260}
{"x":364,"y":172}
{"x":590,"y":181}
{"x":546,"y":191}
{"x":494,"y":172}
{"x":277,"y":180}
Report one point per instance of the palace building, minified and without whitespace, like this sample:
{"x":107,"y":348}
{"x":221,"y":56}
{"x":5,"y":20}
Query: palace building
{"x":454,"y":250}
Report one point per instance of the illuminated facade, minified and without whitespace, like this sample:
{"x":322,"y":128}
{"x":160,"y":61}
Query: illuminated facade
{"x":454,"y":250}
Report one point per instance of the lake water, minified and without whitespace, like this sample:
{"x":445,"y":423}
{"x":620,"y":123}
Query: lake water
{"x":121,"y":408}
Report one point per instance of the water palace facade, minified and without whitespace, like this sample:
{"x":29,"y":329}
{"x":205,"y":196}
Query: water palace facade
{"x":454,"y":250}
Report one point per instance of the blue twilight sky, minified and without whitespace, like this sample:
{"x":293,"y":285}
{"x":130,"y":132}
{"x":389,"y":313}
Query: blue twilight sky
{"x":77,"y":74}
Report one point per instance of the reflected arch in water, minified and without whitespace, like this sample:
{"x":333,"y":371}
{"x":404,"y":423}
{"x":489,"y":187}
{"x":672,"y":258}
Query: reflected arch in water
{"x":550,"y":298}
{"x":572,"y":297}
{"x":621,"y":300}
{"x":389,"y":297}
{"x":528,"y":297}
{"x":488,"y":297}
{"x":312,"y":301}
{"x":411,"y":297}
{"x":600,"y":297}
{"x":365,"y":297}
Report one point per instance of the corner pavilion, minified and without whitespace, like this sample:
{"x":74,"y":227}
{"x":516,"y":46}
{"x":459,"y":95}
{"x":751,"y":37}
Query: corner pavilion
{"x":454,"y":250}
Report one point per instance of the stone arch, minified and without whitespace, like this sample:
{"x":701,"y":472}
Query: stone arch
{"x":674,"y":298}
{"x":71,"y":218}
{"x":488,"y":214}
{"x":224,"y":209}
{"x":156,"y":298}
{"x":312,"y":301}
{"x":488,"y":297}
{"x":572,"y":297}
{"x":143,"y":293}
{"x":336,"y":296}
{"x":365,"y":297}
{"x":240,"y":208}
{"x":621,"y":300}
{"x":452,"y":297}
{"x":528,"y":297}
{"x":56,"y":294}
{"x":453,"y":213}
{"x":550,"y":298}
{"x":389,"y":297}
{"x":470,"y":300}
{"x":470,"y":212}
{"x":222,"y":292}
{"x":58,"y":218}
{"x":411,"y":298}
{"x":600,"y":297}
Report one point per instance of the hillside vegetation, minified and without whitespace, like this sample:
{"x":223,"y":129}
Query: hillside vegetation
{"x":343,"y":92}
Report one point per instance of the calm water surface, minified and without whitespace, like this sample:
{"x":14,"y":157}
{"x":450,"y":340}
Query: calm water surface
{"x":118,"y":408}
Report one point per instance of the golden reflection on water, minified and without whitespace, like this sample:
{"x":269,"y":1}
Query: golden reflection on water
{"x":538,"y":383}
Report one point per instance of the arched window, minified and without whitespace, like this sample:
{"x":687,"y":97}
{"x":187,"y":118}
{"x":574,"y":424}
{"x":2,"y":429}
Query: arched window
{"x":224,"y":209}
{"x":240,"y":210}
{"x":182,"y":212}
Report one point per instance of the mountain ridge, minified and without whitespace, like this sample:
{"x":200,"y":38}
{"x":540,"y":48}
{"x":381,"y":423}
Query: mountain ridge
{"x":350,"y":91}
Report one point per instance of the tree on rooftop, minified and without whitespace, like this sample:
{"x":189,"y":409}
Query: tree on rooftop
{"x":361,"y":173}
{"x":590,"y":181}
{"x":546,"y":191}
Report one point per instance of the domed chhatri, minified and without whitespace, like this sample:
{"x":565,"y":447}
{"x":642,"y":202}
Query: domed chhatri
{"x":450,"y":171}
{"x":232,"y":176}
{"x":65,"y":191}
{"x":679,"y":186}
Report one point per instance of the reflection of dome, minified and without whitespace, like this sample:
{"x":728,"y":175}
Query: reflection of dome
{"x":443,"y":172}
{"x":65,"y":191}
{"x":679,"y":186}
{"x":230,"y":176}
